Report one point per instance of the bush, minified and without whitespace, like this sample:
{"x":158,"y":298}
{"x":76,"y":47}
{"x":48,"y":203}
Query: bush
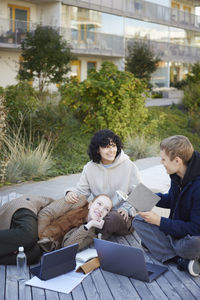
{"x":25,"y":161}
{"x":110,"y":99}
{"x":176,"y":121}
{"x":140,"y":147}
{"x":21,"y":100}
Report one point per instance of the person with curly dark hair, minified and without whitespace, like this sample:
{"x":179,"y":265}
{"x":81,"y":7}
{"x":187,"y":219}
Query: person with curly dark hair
{"x":109,"y":170}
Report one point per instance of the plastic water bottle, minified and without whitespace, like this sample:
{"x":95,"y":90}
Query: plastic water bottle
{"x":21,"y":264}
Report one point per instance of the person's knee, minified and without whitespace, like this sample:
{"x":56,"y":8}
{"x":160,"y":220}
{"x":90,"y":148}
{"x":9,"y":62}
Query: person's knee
{"x":137,"y":220}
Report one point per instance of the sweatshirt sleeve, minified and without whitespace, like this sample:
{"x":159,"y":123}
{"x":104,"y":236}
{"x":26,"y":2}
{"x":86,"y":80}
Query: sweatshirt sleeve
{"x":79,"y":235}
{"x":82,"y":186}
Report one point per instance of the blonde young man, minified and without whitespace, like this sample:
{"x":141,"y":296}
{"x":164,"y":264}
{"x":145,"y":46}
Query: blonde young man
{"x":176,"y":238}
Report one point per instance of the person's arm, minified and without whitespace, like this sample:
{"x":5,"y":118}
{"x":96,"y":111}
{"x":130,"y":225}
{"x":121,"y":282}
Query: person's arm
{"x":56,"y":209}
{"x":82,"y":187}
{"x":79,"y":235}
{"x":176,"y":227}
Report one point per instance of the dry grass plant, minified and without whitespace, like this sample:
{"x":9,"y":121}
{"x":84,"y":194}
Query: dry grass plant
{"x":3,"y":161}
{"x":140,"y":147}
{"x":26,"y":161}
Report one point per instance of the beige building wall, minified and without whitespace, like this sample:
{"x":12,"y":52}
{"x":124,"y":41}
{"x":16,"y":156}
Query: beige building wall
{"x":9,"y":62}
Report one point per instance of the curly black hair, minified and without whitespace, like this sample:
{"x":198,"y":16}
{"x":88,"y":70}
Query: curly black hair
{"x":103,"y":138}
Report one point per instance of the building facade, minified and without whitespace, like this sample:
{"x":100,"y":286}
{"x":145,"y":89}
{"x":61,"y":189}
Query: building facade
{"x":100,"y":30}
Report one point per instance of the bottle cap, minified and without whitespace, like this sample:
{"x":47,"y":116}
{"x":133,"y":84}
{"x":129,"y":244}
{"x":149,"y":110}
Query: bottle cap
{"x":21,"y":249}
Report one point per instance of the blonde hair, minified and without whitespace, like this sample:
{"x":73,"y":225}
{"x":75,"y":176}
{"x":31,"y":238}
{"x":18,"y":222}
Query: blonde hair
{"x":177,"y":145}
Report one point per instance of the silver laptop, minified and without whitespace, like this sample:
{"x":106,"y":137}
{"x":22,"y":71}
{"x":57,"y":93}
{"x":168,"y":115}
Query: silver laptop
{"x":141,"y":198}
{"x":126,"y":260}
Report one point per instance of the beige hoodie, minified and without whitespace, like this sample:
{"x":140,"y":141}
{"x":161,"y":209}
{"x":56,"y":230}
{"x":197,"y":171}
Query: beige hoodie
{"x":96,"y":179}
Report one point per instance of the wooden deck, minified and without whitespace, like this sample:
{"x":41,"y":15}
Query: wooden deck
{"x":172,"y":285}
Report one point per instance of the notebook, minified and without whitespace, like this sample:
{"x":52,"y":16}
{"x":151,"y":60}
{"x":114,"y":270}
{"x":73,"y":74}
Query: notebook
{"x":56,"y":263}
{"x":126,"y":260}
{"x":141,"y":198}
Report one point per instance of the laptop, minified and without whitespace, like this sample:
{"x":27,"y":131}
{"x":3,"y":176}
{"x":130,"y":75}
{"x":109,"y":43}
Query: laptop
{"x":141,"y":198}
{"x":126,"y":260}
{"x":56,"y":263}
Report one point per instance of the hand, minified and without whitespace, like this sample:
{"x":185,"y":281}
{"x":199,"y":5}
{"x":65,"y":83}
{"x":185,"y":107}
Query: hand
{"x":94,"y":223}
{"x":151,"y":217}
{"x":123,"y":213}
{"x":71,"y":197}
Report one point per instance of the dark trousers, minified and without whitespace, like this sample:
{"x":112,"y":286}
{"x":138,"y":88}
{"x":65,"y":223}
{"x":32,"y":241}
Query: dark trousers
{"x":115,"y":224}
{"x":23,"y":232}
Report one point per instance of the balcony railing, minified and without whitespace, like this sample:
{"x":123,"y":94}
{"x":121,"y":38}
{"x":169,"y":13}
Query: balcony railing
{"x":170,"y":52}
{"x":142,"y":10}
{"x":96,"y":43}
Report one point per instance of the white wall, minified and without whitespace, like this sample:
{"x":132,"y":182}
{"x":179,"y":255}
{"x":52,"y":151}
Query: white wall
{"x":9,"y":62}
{"x":50,"y":14}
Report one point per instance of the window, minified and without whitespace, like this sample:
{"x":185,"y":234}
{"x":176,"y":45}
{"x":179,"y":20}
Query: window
{"x":76,"y":69}
{"x":91,"y":65}
{"x":19,"y":18}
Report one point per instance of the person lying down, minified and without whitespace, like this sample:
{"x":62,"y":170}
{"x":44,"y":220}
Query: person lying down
{"x":62,"y":224}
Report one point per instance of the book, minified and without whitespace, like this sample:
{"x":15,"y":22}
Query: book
{"x":142,"y":198}
{"x":86,"y":255}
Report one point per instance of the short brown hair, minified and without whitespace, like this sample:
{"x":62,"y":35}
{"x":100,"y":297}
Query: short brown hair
{"x":177,"y":145}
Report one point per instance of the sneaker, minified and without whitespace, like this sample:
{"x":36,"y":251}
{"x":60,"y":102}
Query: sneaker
{"x":192,"y":266}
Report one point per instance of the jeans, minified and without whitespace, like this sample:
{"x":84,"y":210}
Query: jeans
{"x":165,"y":247}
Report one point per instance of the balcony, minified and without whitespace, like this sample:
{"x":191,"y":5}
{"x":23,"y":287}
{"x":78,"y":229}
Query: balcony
{"x":94,"y":43}
{"x":142,"y":10}
{"x":171,"y":52}
{"x":13,"y":32}
{"x":83,"y":42}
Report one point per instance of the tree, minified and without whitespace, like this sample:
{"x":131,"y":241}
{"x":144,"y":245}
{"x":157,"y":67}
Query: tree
{"x":141,"y":60}
{"x":109,"y":98}
{"x":46,"y":56}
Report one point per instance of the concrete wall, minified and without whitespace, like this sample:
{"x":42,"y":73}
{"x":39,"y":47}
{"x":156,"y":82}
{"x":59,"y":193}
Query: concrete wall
{"x":9,"y":62}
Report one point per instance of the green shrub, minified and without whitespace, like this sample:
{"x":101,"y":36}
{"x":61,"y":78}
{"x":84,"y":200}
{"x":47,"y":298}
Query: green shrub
{"x":109,"y":98}
{"x":21,"y":101}
{"x":177,"y":121}
{"x":140,"y":147}
{"x":25,"y":161}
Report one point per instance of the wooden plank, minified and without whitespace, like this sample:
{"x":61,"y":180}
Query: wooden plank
{"x":51,"y":295}
{"x":38,"y":294}
{"x":63,"y":296}
{"x":120,"y":286}
{"x":90,"y":289}
{"x":187,"y":281}
{"x":101,"y":285}
{"x":11,"y":292}
{"x":174,"y":284}
{"x":78,"y":293}
{"x":2,"y":281}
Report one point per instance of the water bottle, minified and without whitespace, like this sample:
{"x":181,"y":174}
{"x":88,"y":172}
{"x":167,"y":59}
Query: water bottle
{"x":21,"y":264}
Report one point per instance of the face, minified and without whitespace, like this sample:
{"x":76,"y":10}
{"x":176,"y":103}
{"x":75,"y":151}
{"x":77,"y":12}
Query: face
{"x":99,"y":208}
{"x":108,"y":153}
{"x":171,"y":166}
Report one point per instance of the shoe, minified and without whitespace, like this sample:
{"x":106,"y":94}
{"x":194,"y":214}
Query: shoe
{"x":192,"y":266}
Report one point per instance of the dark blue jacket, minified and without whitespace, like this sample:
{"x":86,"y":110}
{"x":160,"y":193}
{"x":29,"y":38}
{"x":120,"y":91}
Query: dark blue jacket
{"x":183,"y":199}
